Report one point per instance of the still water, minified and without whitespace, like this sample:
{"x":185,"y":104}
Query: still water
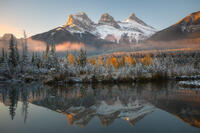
{"x":127,"y":108}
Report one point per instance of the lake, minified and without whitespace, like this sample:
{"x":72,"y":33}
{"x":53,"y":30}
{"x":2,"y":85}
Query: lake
{"x":141,"y":108}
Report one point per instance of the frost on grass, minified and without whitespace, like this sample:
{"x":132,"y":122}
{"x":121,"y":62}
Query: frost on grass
{"x":191,"y":84}
{"x":110,"y":68}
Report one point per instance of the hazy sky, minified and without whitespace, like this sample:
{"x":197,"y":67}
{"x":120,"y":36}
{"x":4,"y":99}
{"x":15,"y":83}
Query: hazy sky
{"x":36,"y":16}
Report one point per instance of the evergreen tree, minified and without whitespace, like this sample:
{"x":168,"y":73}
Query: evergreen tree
{"x":13,"y":96}
{"x":47,"y":49}
{"x":3,"y":54}
{"x":25,"y":103}
{"x":13,"y":53}
{"x":16,"y":53}
{"x":33,"y":58}
{"x":24,"y":50}
{"x":51,"y":60}
{"x":82,"y":57}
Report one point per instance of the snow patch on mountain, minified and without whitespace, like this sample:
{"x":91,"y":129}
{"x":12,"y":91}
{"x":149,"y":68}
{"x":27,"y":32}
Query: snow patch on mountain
{"x":132,"y":28}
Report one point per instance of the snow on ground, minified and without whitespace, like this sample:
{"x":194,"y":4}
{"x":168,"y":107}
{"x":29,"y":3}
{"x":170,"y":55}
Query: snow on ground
{"x":195,"y":83}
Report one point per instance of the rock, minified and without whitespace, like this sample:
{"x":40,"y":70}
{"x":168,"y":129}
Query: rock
{"x":94,"y":79}
{"x":3,"y":79}
{"x":59,"y":77}
{"x":29,"y":78}
{"x":77,"y":80}
{"x":48,"y":80}
{"x":109,"y":20}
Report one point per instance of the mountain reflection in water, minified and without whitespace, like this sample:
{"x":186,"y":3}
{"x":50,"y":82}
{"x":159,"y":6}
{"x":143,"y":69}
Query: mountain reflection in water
{"x":81,"y":103}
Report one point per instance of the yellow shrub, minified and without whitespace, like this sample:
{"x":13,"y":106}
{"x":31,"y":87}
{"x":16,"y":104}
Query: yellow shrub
{"x":146,"y":60}
{"x":121,"y":62}
{"x":100,"y":61}
{"x":141,"y":60}
{"x":71,"y":59}
{"x":108,"y":62}
{"x":130,"y":61}
{"x":133,"y":61}
{"x":92,"y":61}
{"x":114,"y":62}
{"x":126,"y":59}
{"x":78,"y":61}
{"x":44,"y":56}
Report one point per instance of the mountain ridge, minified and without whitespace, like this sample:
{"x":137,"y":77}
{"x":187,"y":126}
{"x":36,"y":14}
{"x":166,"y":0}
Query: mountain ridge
{"x":107,"y":31}
{"x":186,"y":28}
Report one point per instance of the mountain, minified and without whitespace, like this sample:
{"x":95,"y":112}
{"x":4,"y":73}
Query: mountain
{"x":79,"y":23}
{"x":5,"y":40}
{"x":132,"y":30}
{"x":108,"y":106}
{"x":7,"y":37}
{"x":187,"y":28}
{"x":106,"y":19}
{"x":81,"y":29}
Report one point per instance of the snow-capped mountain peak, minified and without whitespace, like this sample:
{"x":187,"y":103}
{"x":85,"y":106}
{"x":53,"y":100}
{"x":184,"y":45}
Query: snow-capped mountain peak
{"x":132,"y":17}
{"x":107,"y":19}
{"x":79,"y":22}
{"x":81,"y":28}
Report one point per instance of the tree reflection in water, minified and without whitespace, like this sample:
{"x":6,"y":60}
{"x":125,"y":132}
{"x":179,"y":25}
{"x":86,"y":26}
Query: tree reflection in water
{"x":81,"y":103}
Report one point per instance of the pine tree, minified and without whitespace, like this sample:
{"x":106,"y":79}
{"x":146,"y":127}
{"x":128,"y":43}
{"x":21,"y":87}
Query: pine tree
{"x":83,"y":58}
{"x":24,"y":58}
{"x":13,"y":96}
{"x":24,"y":50}
{"x":13,"y":53}
{"x":52,"y":58}
{"x":16,"y":53}
{"x":33,"y":58}
{"x":47,"y":49}
{"x":51,"y":61}
{"x":3,"y":54}
{"x":24,"y":97}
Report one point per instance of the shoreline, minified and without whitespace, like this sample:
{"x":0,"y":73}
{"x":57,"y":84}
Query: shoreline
{"x":59,"y":79}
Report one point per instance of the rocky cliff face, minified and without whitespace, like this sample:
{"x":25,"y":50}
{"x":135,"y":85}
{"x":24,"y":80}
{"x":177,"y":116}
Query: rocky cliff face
{"x":132,"y":17}
{"x":187,"y":28}
{"x":107,"y":19}
{"x":79,"y":22}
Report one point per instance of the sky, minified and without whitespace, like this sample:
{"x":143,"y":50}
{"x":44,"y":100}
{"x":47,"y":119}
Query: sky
{"x":37,"y":16}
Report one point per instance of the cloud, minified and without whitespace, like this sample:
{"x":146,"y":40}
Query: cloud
{"x":69,"y":46}
{"x":34,"y":45}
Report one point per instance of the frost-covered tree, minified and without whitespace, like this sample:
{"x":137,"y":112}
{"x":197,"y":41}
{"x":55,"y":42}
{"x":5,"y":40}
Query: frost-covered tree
{"x":33,"y":58}
{"x":16,"y":53}
{"x":24,"y":97}
{"x":24,"y":59}
{"x":53,"y":59}
{"x":50,"y":57}
{"x":24,"y":49}
{"x":37,"y":60}
{"x":3,"y":54}
{"x":82,"y":57}
{"x":66,"y":60}
{"x":13,"y":53}
{"x":13,"y":96}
